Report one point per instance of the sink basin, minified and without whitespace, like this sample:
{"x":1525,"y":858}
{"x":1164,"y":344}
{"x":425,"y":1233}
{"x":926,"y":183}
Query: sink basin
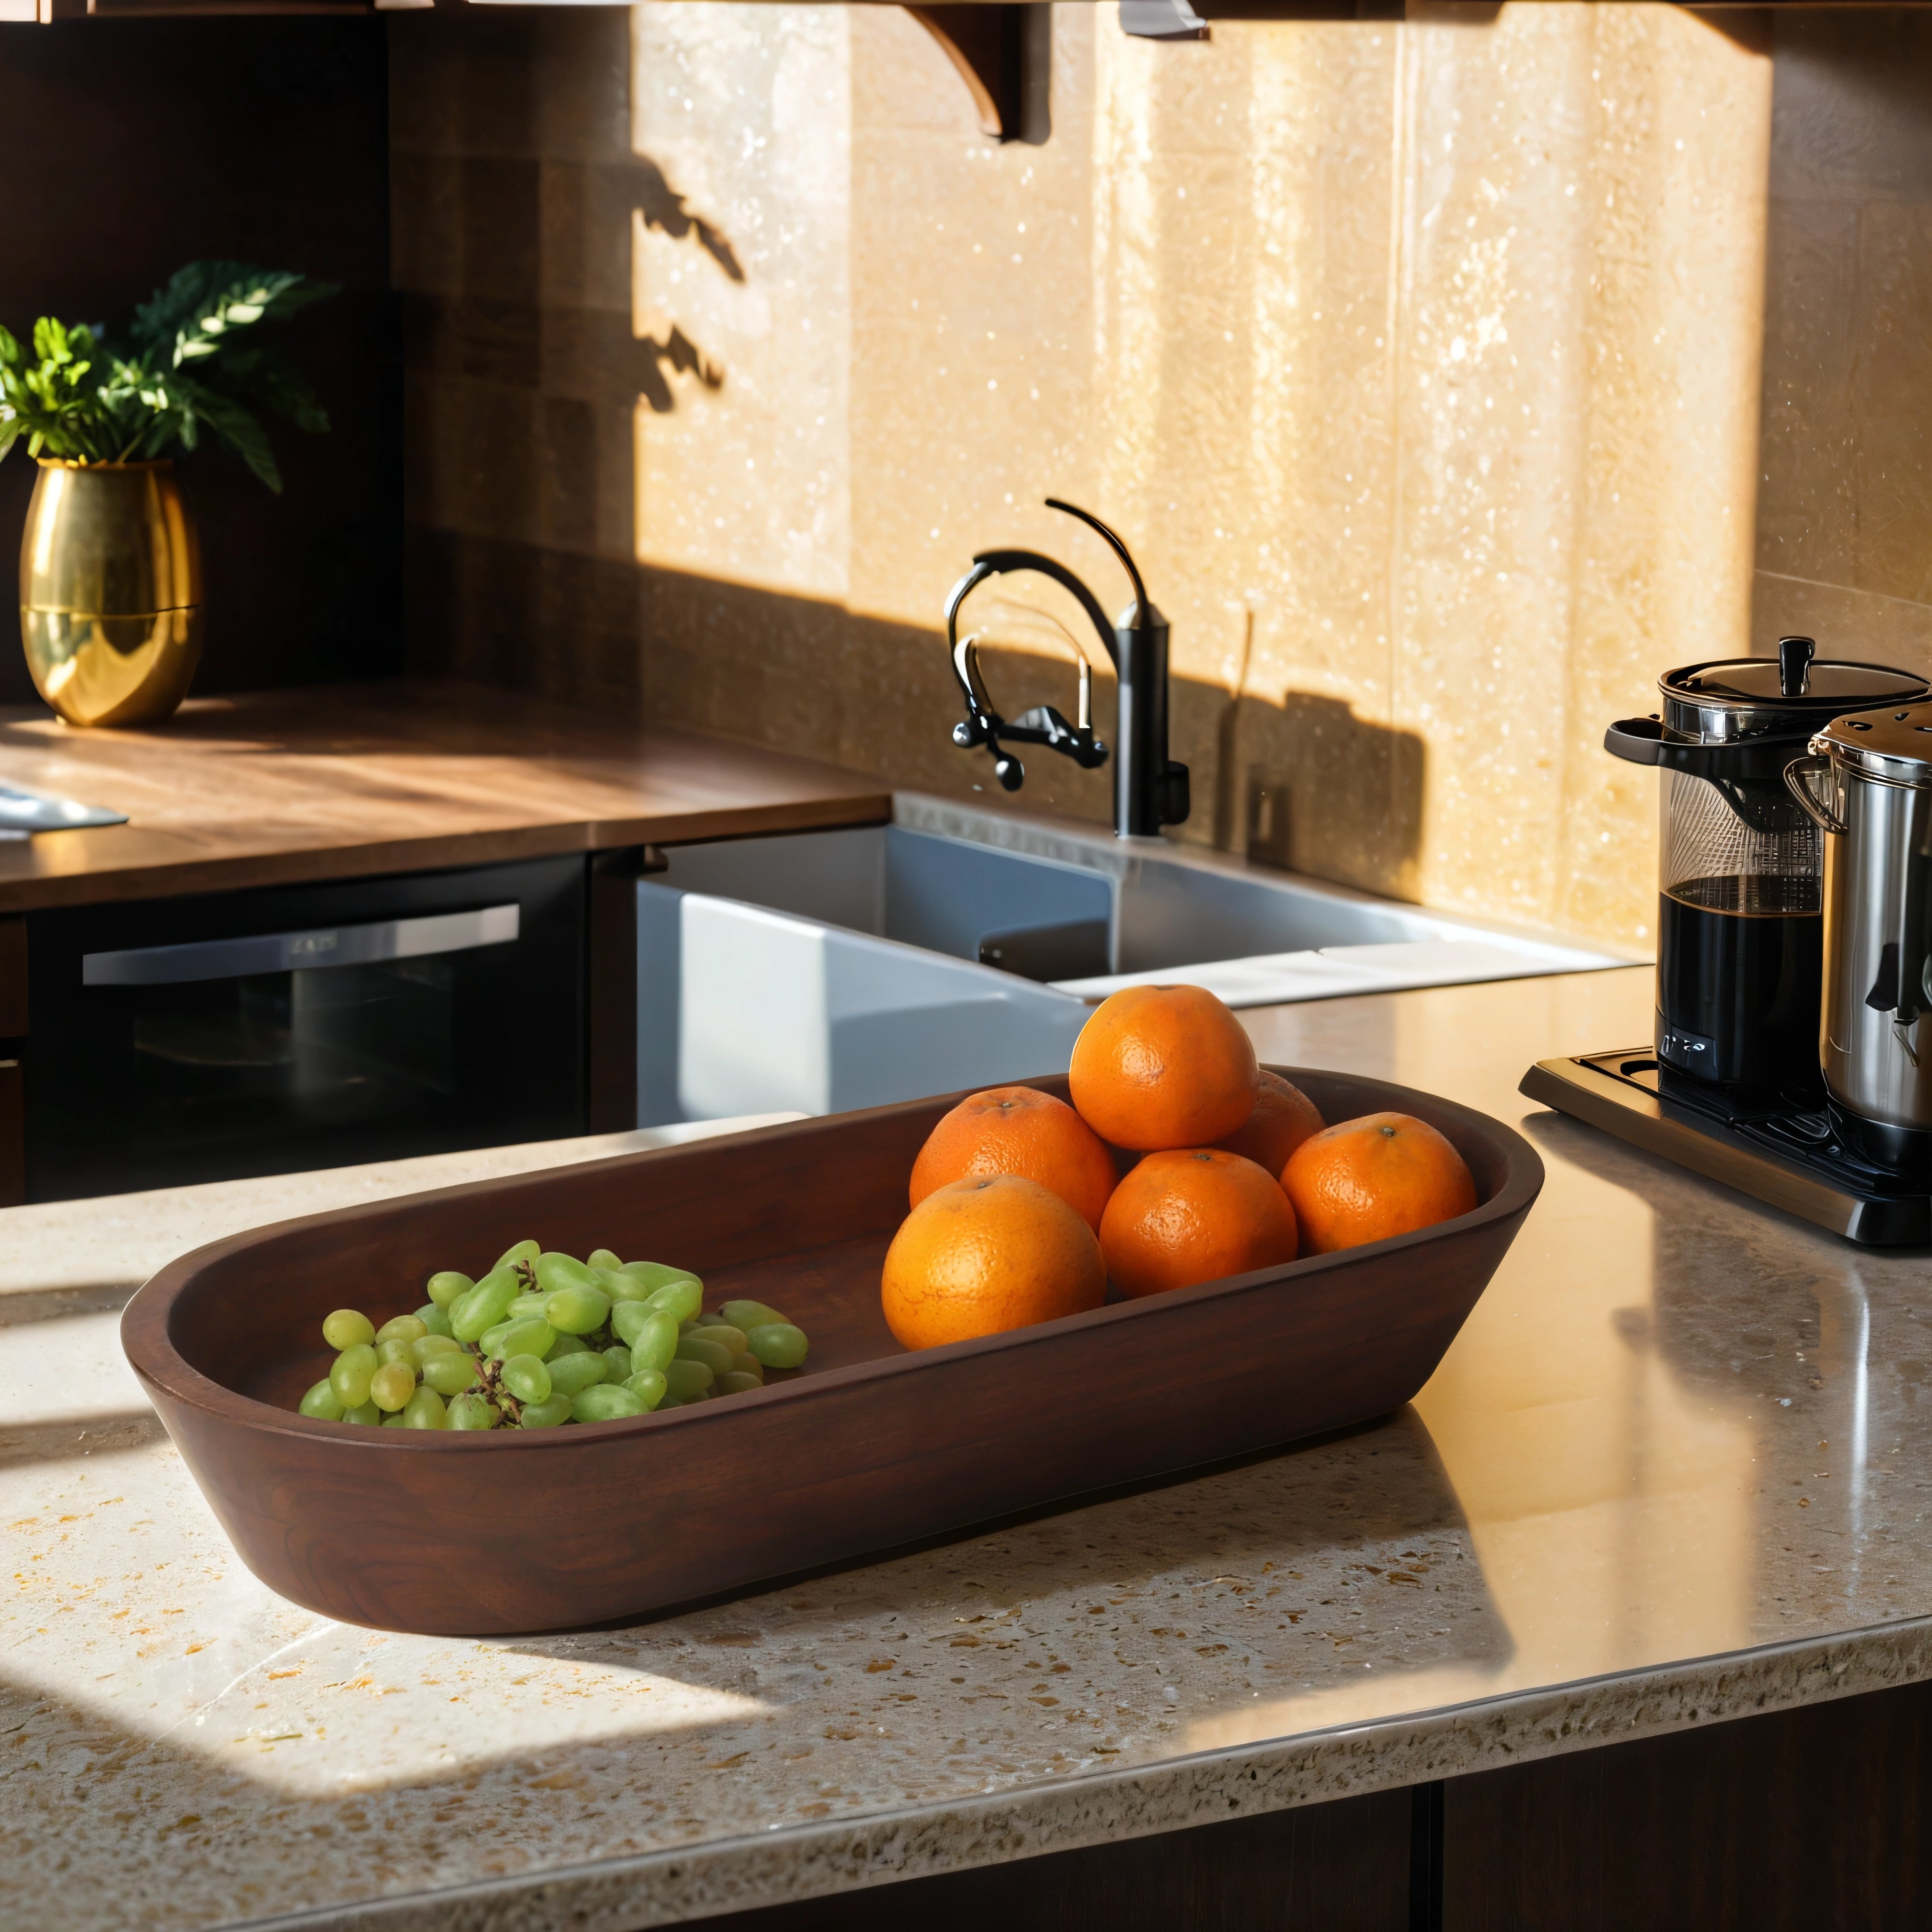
{"x":824,"y":971}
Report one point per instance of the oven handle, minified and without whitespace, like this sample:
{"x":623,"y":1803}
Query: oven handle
{"x":289,"y":952}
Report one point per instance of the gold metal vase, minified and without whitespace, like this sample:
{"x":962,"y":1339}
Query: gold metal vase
{"x":110,"y":591}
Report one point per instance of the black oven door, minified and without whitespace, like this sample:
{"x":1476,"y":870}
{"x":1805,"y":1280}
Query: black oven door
{"x":266,"y":1032}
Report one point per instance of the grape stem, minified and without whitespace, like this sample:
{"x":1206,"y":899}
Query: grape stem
{"x":508,"y":1407}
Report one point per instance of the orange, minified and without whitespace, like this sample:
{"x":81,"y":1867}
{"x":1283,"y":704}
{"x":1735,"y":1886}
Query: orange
{"x":1284,"y":1117}
{"x":1163,"y":1067}
{"x":978,"y":1257}
{"x":1365,"y":1179}
{"x":1019,"y":1130}
{"x":1194,"y":1214}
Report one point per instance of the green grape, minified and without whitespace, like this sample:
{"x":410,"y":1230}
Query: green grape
{"x":748,"y":1315}
{"x":554,"y":1271}
{"x":392,"y":1384}
{"x":485,"y":1306}
{"x":366,"y":1411}
{"x":620,"y":1286}
{"x":519,"y":1338}
{"x":445,"y":1289}
{"x":401,"y":1327}
{"x":526,"y":1307}
{"x":680,"y":1300}
{"x":450,"y":1375}
{"x":601,"y":1258}
{"x":519,"y":1251}
{"x":749,"y":1364}
{"x":734,"y":1383}
{"x":724,"y":1334}
{"x":714,"y":1355}
{"x":346,"y":1328}
{"x":526,"y":1378}
{"x":425,"y":1346}
{"x":777,"y":1344}
{"x":471,"y":1411}
{"x":547,"y":1413}
{"x":575,"y":1373}
{"x":687,"y":1380}
{"x":650,"y":1333}
{"x":350,"y":1374}
{"x":433,"y":1318}
{"x":669,"y":1402}
{"x":608,"y":1402}
{"x":320,"y":1404}
{"x":577,"y":1308}
{"x":424,"y":1410}
{"x":395,"y":1349}
{"x":658,"y":1274}
{"x":648,"y":1386}
{"x":567,"y":1345}
{"x":618,"y":1366}
{"x":398,"y":1420}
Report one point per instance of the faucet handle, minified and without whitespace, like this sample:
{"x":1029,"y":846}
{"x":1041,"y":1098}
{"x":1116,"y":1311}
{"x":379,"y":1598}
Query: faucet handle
{"x":1176,"y":794}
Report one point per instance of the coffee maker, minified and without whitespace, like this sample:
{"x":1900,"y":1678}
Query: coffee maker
{"x":1740,"y":947}
{"x":1733,"y":1084}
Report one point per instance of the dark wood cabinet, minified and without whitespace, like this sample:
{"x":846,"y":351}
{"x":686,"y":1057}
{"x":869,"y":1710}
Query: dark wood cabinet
{"x":1795,"y":1822}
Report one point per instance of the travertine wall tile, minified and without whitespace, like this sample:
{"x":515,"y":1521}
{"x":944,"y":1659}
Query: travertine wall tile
{"x":1419,"y":363}
{"x":741,"y":278}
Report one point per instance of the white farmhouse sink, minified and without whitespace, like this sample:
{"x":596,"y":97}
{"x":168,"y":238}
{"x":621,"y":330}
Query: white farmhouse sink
{"x":823,"y":971}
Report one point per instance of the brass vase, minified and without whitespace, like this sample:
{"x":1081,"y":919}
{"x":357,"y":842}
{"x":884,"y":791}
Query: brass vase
{"x":110,"y":591}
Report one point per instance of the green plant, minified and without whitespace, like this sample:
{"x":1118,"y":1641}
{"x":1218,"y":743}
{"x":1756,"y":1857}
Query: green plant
{"x":86,"y":395}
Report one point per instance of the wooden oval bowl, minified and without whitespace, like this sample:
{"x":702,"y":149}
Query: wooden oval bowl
{"x":866,"y":1448}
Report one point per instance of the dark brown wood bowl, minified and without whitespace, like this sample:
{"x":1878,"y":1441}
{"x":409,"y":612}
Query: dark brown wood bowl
{"x":869,"y":1447}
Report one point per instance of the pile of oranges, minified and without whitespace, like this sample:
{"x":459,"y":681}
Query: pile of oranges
{"x":1180,"y":1161}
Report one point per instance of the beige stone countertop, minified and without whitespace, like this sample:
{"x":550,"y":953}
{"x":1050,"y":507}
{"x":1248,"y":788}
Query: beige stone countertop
{"x":1673,"y":1469}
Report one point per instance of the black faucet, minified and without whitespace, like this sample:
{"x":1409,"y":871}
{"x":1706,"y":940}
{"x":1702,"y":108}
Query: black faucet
{"x":1150,"y":789}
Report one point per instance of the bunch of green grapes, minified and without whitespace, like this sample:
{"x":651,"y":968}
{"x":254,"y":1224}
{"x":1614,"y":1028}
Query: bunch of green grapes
{"x":544,"y":1338}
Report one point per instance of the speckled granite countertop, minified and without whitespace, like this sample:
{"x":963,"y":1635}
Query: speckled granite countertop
{"x":1672,"y":1470}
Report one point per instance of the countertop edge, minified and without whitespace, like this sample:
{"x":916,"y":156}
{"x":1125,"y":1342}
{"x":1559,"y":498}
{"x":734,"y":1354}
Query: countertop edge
{"x":1311,"y":1768}
{"x":194,"y":873}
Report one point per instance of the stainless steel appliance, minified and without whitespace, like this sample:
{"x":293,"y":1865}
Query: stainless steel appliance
{"x":262,"y":1032}
{"x":1740,"y":949}
{"x":1867,"y":782}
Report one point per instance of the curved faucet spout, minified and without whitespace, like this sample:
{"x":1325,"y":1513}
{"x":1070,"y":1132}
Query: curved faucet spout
{"x":1150,"y":789}
{"x":1042,"y":725}
{"x":992,"y":562}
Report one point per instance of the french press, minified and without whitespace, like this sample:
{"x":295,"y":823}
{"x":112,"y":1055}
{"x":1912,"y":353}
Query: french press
{"x":1740,"y":947}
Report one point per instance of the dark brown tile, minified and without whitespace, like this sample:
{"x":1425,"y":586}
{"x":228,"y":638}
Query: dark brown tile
{"x":501,"y":228}
{"x":472,"y":337}
{"x":425,"y":230}
{"x":567,"y":490}
{"x":1892,"y":387}
{"x":492,"y":444}
{"x":1847,"y":623}
{"x":1806,"y":514}
{"x":592,"y":355}
{"x":580,"y":69}
{"x":1851,"y":106}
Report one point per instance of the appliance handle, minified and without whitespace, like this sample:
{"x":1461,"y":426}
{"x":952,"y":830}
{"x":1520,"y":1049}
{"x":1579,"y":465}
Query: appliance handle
{"x":1798,"y":777}
{"x":292,"y":952}
{"x":1640,"y":741}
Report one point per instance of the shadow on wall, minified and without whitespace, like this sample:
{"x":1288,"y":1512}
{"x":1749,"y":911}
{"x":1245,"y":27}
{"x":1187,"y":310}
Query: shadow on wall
{"x":1304,"y":783}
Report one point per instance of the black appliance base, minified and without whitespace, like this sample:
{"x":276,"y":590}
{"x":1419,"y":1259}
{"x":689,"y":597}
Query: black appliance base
{"x":1794,"y":1160}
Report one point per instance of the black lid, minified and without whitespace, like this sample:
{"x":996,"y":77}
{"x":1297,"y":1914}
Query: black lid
{"x":1793,"y":694}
